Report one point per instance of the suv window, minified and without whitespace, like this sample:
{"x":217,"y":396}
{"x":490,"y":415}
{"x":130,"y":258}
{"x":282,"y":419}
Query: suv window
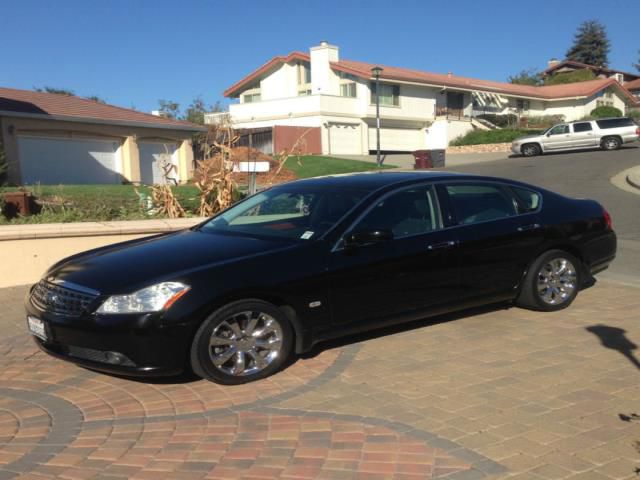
{"x":529,"y":200}
{"x":408,"y":212}
{"x":559,"y":130}
{"x":473,"y":203}
{"x":615,"y":123}
{"x":582,"y":127}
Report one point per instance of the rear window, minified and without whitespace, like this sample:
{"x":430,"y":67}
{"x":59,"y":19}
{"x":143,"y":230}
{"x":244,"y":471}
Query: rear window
{"x":615,"y":123}
{"x":529,"y":200}
{"x":475,"y":203}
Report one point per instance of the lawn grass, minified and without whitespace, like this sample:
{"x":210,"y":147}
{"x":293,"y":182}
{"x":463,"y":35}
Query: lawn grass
{"x":501,"y":135}
{"x":307,"y":166}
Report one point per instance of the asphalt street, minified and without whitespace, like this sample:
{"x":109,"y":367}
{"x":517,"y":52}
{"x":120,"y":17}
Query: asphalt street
{"x":585,"y":174}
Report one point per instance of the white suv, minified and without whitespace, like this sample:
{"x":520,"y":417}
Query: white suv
{"x":606,"y":133}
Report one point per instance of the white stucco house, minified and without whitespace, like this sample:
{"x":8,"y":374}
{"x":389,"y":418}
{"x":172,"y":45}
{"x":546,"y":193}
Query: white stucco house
{"x":418,"y":109}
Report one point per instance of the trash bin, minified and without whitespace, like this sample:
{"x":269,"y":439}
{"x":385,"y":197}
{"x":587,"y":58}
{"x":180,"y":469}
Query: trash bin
{"x":437,"y":158}
{"x":17,"y":203}
{"x":423,"y":159}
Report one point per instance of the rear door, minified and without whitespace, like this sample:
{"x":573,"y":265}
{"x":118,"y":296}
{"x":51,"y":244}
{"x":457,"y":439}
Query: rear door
{"x":415,"y":271}
{"x":499,"y":233}
{"x":583,"y":135}
{"x":557,"y":138}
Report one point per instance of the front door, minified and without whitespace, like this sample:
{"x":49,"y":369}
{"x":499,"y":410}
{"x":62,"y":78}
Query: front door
{"x":415,"y":271}
{"x":455,"y":104}
{"x":557,"y":138}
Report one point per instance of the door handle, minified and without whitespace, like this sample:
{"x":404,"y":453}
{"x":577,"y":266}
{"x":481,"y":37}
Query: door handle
{"x":441,"y":245}
{"x":533,"y":226}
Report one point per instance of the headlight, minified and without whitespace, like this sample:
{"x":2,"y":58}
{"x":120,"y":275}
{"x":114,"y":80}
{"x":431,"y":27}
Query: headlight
{"x":151,"y":299}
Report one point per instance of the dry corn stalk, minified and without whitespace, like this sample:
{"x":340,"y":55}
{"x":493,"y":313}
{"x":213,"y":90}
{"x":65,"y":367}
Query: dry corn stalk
{"x":296,"y":150}
{"x":162,"y":195}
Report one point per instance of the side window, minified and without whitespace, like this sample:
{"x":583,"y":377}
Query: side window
{"x":559,"y":130}
{"x":582,"y":127}
{"x":528,"y":200}
{"x":409,"y":212}
{"x":473,"y":203}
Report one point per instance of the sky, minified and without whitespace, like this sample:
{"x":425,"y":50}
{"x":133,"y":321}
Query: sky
{"x":133,"y":53}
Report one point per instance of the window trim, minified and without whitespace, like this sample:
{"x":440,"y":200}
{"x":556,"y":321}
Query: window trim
{"x":339,"y":244}
{"x":372,"y":101}
{"x":502,"y":185}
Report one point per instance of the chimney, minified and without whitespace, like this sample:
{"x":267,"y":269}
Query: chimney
{"x":323,"y":81}
{"x":449,"y":74}
{"x":552,"y":62}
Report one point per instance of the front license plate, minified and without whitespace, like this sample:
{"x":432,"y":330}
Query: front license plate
{"x":36,"y":327}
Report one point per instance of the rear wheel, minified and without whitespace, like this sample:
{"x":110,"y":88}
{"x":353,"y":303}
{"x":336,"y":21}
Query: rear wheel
{"x":242,"y":342}
{"x":611,"y":143}
{"x":552,"y":282}
{"x":530,"y":149}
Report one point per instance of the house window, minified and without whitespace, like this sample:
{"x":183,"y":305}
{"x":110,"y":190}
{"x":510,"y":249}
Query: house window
{"x":251,"y":97}
{"x":389,"y":94}
{"x":523,"y":105}
{"x":347,"y":85}
{"x":304,"y":73}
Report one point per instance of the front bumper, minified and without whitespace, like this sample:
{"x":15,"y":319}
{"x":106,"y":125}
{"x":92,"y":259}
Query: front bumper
{"x":516,"y":149}
{"x":135,"y":345}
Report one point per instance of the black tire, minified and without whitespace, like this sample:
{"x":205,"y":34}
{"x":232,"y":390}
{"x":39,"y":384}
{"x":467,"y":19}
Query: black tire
{"x":537,"y":291}
{"x":202,"y":353}
{"x":611,"y":143}
{"x":530,"y":149}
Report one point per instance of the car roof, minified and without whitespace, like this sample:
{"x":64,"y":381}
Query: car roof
{"x":375,"y":180}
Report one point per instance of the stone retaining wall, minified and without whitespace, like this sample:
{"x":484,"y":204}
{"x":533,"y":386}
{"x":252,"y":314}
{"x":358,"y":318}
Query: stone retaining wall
{"x":484,"y":148}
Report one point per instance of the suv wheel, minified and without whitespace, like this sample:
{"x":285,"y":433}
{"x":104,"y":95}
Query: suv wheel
{"x":530,"y":149}
{"x":242,"y":342}
{"x":611,"y":143}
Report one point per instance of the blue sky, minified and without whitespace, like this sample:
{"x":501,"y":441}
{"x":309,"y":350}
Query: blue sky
{"x":135,"y":52}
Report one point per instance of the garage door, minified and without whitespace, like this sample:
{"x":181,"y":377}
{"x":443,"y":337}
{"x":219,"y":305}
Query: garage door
{"x":344,"y":138}
{"x":152,"y":156}
{"x":52,"y":161}
{"x":397,"y":139}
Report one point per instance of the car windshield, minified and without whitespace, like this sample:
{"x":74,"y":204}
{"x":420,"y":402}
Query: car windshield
{"x":287,"y":212}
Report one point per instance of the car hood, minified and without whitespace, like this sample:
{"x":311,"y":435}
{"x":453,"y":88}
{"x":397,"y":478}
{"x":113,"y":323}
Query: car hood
{"x":129,"y":266}
{"x":526,"y":137}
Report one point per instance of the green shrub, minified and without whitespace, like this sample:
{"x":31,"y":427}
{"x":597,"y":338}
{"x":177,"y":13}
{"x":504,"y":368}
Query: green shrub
{"x":570,"y":77}
{"x":480,"y":137}
{"x":635,"y":114}
{"x":605,"y":111}
{"x":544,"y":121}
{"x":499,"y":120}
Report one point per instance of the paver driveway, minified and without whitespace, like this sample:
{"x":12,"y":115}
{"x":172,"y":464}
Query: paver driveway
{"x":495,"y":393}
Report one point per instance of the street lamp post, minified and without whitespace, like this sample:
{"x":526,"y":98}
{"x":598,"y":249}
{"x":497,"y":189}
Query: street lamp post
{"x":376,"y":71}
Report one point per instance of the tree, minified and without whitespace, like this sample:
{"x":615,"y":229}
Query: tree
{"x":637,"y":65}
{"x":526,"y":77}
{"x":195,"y":111}
{"x":590,"y":44}
{"x":96,"y":98}
{"x":57,"y":91}
{"x":169,"y":109}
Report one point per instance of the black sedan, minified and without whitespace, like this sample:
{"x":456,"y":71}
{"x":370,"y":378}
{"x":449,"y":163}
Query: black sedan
{"x":306,"y":261}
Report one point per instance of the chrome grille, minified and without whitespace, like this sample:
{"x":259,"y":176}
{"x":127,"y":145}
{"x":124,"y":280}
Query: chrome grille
{"x":59,"y":299}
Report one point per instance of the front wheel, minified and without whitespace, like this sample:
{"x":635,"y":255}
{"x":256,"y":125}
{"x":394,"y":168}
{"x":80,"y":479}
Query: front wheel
{"x":241,"y":342}
{"x":611,"y":143}
{"x":531,"y":150}
{"x":552,"y":282}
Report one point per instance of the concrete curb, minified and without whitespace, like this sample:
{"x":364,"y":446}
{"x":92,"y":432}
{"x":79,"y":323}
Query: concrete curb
{"x":633,"y":177}
{"x":93,"y":229}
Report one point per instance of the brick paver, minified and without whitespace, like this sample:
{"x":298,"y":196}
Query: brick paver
{"x":497,"y":392}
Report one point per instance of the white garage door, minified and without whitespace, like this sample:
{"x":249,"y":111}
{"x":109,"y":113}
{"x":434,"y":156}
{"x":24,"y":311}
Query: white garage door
{"x":344,"y":139}
{"x":397,"y":139}
{"x":152,"y":156}
{"x":52,"y":161}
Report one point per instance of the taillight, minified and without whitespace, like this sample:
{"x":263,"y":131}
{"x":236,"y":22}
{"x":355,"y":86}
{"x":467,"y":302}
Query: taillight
{"x":607,"y":219}
{"x":638,"y":131}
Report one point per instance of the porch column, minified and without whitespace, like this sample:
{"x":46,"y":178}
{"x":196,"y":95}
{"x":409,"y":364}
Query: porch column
{"x":131,"y":159}
{"x":185,"y":161}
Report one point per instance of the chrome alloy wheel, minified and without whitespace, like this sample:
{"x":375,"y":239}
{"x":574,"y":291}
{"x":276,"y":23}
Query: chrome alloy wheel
{"x":611,"y":143}
{"x":529,"y":150}
{"x":245,"y":343}
{"x":556,"y":281}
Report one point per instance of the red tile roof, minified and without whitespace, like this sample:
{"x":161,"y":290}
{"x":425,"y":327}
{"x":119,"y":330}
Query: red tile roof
{"x":633,"y":85}
{"x":572,"y":63}
{"x":550,"y":92}
{"x":363,"y":70}
{"x":72,"y":108}
{"x":275,"y":61}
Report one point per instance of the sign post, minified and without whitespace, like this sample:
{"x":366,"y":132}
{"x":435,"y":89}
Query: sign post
{"x":252,"y":168}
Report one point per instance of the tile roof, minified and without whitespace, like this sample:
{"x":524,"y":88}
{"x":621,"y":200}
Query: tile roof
{"x":633,"y":85}
{"x":72,"y":108}
{"x":573,"y":63}
{"x":549,"y":92}
{"x":363,"y":70}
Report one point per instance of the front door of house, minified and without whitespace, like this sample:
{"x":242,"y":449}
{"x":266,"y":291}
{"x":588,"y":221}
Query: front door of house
{"x":455,"y":104}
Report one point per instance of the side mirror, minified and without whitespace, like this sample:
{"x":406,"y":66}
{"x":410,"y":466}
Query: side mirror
{"x":356,"y":239}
